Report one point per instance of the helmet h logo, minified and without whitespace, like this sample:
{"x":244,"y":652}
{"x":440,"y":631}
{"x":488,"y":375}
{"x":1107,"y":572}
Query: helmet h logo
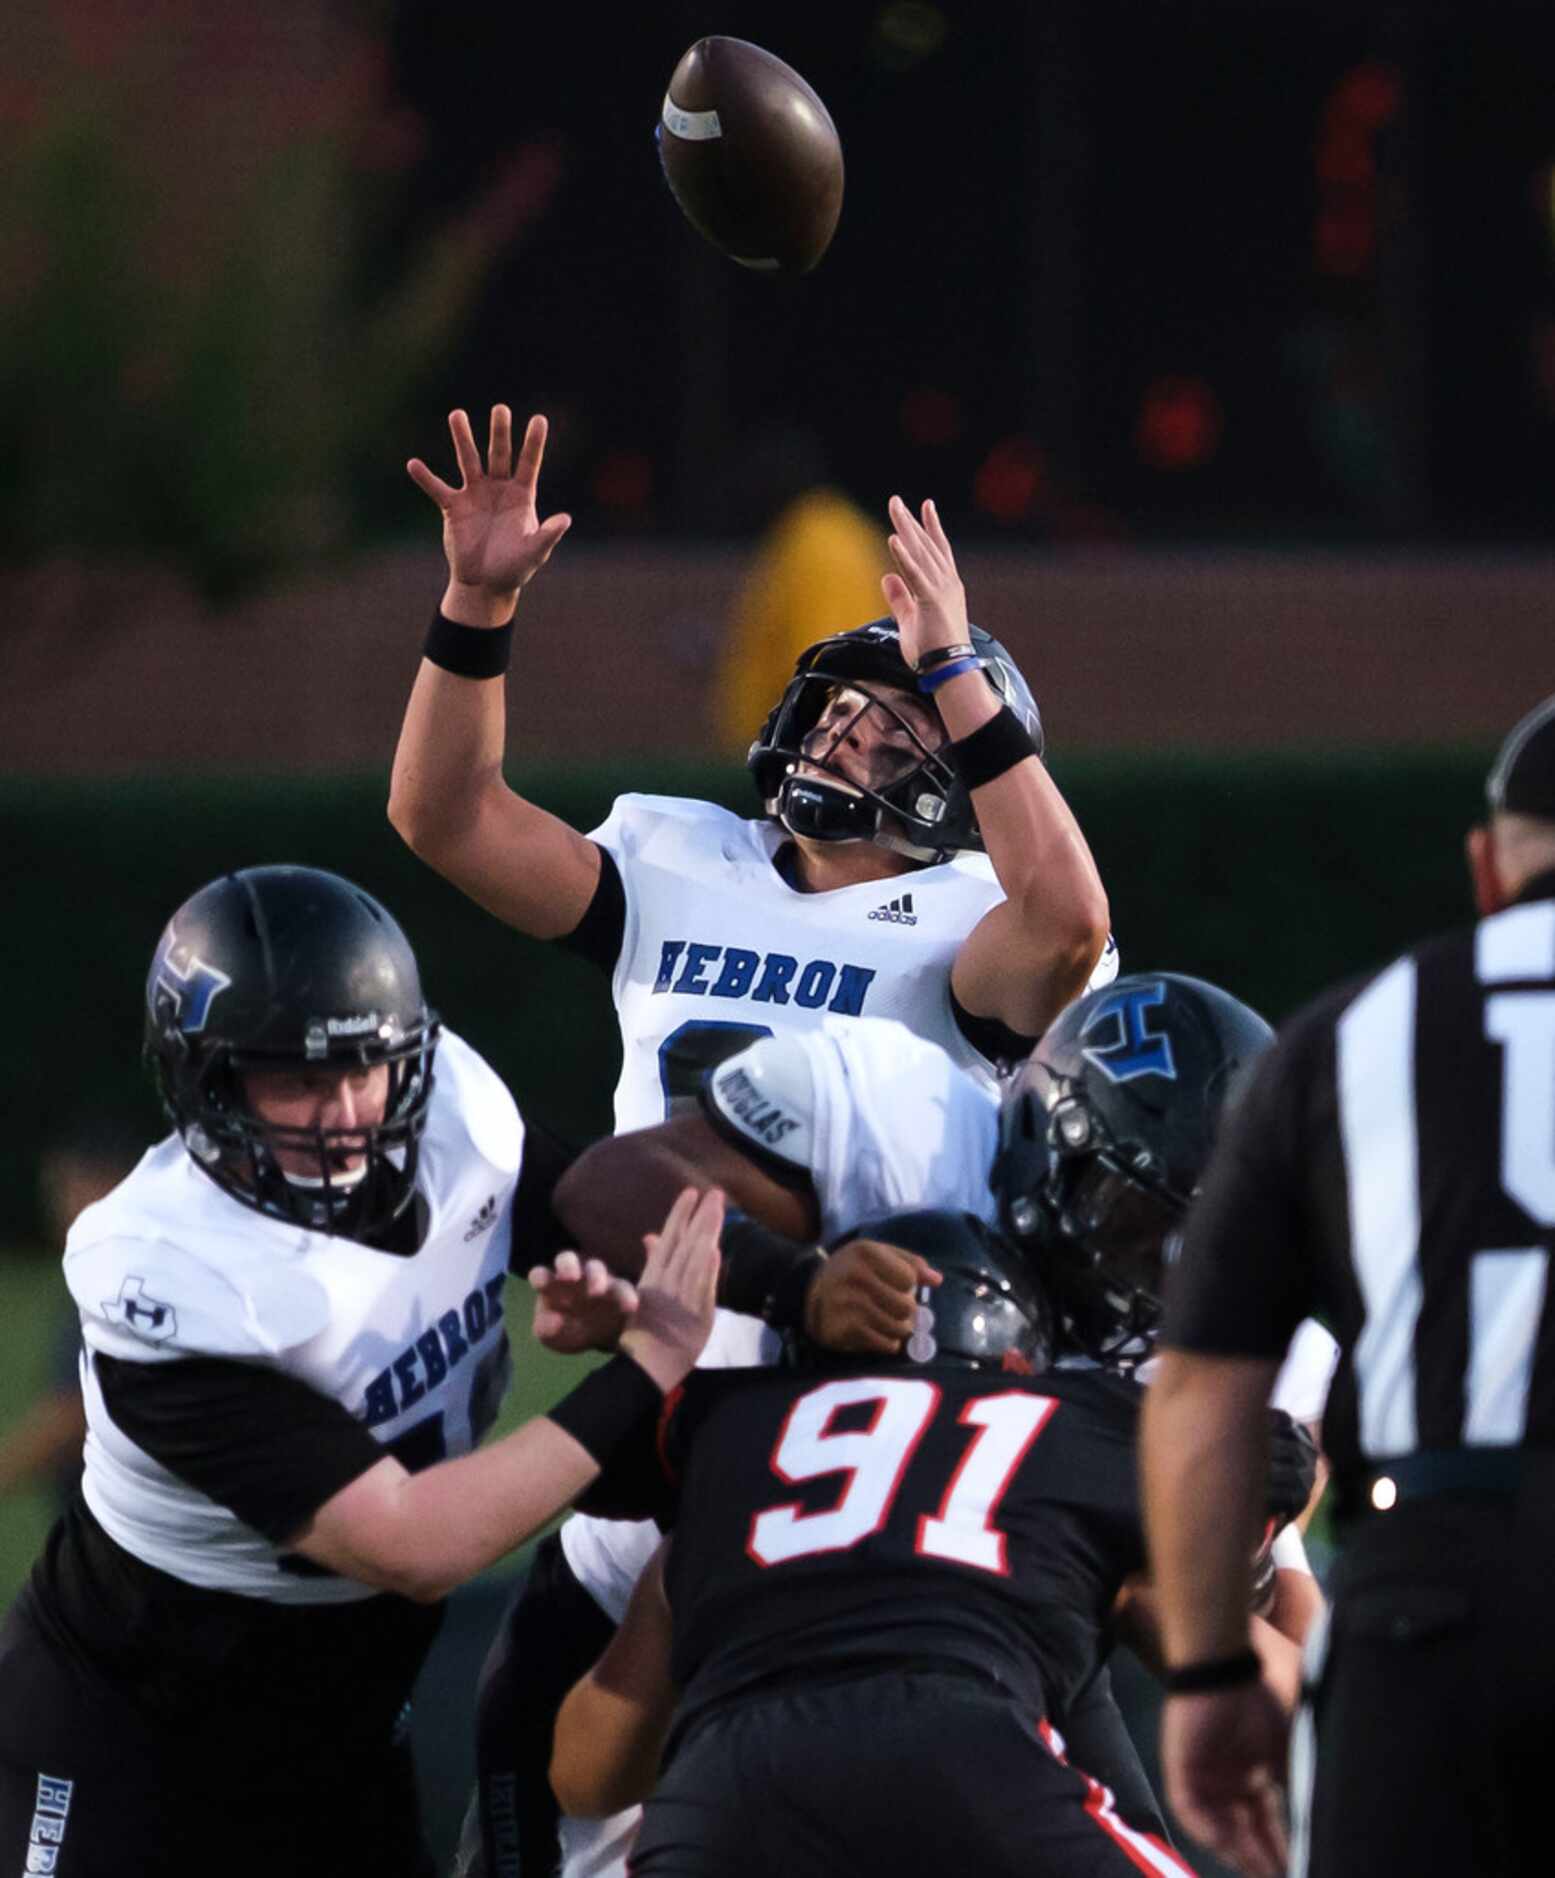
{"x":190,"y":988}
{"x":1133,"y":1050}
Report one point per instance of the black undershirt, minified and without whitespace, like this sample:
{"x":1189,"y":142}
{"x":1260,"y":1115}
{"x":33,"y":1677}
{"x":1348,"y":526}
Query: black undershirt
{"x":600,"y":934}
{"x":252,"y":1438}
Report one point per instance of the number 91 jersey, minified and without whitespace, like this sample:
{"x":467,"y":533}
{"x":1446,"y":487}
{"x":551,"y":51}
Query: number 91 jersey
{"x":845,"y":1515}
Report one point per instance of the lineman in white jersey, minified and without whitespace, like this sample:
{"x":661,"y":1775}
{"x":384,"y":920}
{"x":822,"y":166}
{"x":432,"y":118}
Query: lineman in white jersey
{"x":915,"y":861}
{"x":813,"y":1133}
{"x":292,"y":1312}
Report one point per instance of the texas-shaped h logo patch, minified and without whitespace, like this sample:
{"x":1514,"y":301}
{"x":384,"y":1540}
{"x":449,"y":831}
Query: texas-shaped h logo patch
{"x":1133,"y":1049}
{"x":145,"y":1317}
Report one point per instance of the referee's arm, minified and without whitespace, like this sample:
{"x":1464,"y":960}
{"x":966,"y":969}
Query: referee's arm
{"x":1234,"y":1300}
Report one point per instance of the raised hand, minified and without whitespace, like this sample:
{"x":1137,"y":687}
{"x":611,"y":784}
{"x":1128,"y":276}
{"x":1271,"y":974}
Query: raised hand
{"x":925,"y":594}
{"x":675,"y":1293}
{"x":865,"y":1297}
{"x":492,"y":533}
{"x":579,"y":1306}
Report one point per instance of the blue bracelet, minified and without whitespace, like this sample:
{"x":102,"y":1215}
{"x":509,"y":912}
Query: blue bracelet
{"x":942,"y":674}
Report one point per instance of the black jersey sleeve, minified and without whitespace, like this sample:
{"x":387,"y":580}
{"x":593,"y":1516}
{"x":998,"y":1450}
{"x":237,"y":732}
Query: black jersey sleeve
{"x":600,"y":934}
{"x":642,"y":1478}
{"x":989,"y":1037}
{"x":252,"y":1439}
{"x":537,"y":1232}
{"x":1245,"y":1276}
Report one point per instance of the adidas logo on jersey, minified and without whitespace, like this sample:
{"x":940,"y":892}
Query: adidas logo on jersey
{"x":898,"y":912}
{"x":483,"y":1221}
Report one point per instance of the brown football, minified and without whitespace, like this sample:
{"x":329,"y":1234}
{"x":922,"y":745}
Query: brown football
{"x":751,"y":155}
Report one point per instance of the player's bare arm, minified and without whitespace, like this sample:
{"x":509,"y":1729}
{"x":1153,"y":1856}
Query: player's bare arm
{"x":1024,"y":960}
{"x":861,"y":1299}
{"x":448,"y":798}
{"x":1222,"y":1750}
{"x":611,"y":1729}
{"x":423,"y":1534}
{"x":619,"y":1186}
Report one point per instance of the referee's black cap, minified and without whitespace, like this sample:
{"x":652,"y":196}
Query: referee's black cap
{"x":1522,"y":779}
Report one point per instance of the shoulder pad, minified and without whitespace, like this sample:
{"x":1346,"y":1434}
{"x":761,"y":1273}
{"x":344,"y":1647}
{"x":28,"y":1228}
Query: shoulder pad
{"x":143,"y":1298}
{"x":763,"y":1098}
{"x":633,"y":819}
{"x":470,"y":1094}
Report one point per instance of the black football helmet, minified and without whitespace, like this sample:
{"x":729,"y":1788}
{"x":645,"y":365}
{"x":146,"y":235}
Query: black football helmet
{"x":926,"y":812}
{"x":990,"y":1312}
{"x":274,"y":967}
{"x":1104,"y":1136}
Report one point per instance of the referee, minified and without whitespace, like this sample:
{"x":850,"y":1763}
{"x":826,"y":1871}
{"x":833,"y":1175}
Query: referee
{"x":1392,"y":1170}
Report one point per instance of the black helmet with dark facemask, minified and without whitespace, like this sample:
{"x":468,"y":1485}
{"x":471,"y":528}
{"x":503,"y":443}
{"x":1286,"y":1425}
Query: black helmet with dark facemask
{"x":926,"y":811}
{"x":291,"y":968}
{"x":989,"y":1311}
{"x":1104,"y":1136}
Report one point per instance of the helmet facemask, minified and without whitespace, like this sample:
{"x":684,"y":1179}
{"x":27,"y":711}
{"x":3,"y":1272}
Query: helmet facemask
{"x":903,"y":811}
{"x":1115,"y":1221}
{"x":241,"y":1150}
{"x":925,"y":812}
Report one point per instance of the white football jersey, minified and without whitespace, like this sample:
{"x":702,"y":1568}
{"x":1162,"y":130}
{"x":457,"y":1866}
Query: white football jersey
{"x":170,"y":1266}
{"x":883,"y":1121}
{"x":717,"y":941}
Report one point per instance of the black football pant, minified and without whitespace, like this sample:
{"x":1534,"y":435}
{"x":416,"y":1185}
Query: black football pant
{"x":550,"y":1635}
{"x":90,"y":1787}
{"x":554,"y":1632}
{"x":1427,"y":1740}
{"x":917,"y":1770}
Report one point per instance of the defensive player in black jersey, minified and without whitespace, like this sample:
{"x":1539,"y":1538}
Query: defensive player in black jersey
{"x":1095,"y":1201}
{"x":884,"y":1579}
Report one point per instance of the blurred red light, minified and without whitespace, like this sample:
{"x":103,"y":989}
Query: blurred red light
{"x":1180,"y":424}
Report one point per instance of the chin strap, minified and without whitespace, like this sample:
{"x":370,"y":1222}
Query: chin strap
{"x":877,"y":834}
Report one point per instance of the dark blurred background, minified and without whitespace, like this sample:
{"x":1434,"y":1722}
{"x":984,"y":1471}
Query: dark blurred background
{"x":1244,"y":271}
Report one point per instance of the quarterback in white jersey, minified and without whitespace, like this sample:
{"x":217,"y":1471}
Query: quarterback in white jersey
{"x":917,"y":861}
{"x":292,"y":1313}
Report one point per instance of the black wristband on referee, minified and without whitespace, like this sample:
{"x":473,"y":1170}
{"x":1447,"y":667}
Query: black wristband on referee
{"x":607,"y":1406}
{"x":1216,"y":1672}
{"x":765,"y":1273}
{"x":468,"y":651}
{"x":992,"y":749}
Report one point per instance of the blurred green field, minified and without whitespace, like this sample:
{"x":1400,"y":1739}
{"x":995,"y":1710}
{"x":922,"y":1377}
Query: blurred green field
{"x":33,"y":1301}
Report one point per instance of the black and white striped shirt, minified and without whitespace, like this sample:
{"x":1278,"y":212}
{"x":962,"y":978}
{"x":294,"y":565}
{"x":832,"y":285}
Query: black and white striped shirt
{"x":1392,"y":1171}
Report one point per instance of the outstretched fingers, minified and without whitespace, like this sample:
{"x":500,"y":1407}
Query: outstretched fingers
{"x":532,"y":453}
{"x":429,"y":485}
{"x":499,"y":443}
{"x":465,"y":452}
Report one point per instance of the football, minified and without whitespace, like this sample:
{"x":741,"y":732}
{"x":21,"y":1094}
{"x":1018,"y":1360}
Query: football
{"x":751,"y":155}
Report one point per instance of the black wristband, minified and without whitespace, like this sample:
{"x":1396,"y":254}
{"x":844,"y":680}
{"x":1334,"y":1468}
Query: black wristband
{"x":992,"y":749}
{"x":765,"y":1273}
{"x":468,"y":651}
{"x":607,"y":1406}
{"x":942,"y":655}
{"x":1216,"y":1672}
